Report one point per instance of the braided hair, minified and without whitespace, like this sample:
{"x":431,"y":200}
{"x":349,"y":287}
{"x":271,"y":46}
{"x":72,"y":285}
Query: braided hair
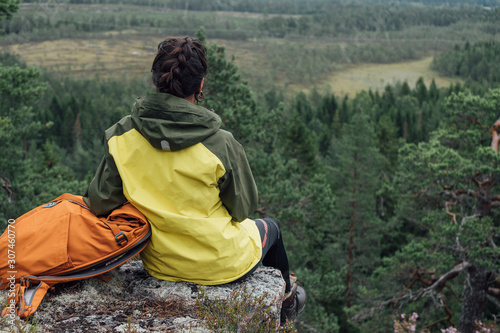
{"x":179,"y":66}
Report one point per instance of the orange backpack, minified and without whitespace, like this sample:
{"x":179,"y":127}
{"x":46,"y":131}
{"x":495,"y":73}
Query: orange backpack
{"x":64,"y":241}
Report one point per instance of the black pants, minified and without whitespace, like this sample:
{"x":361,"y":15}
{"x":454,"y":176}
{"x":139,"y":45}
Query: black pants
{"x":273,"y":250}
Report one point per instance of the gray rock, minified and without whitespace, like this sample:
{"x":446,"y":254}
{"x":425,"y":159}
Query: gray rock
{"x":134,"y":301}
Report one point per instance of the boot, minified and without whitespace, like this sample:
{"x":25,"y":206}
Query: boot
{"x":294,"y":301}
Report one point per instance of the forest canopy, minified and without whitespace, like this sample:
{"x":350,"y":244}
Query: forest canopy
{"x":388,"y":198}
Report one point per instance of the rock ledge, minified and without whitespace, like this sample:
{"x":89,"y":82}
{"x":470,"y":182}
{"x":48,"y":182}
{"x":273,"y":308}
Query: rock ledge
{"x":134,"y":301}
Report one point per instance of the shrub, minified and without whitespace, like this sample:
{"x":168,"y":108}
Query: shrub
{"x":240,"y":312}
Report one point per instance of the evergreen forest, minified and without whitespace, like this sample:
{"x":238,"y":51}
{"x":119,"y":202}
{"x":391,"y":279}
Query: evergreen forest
{"x":388,"y":198}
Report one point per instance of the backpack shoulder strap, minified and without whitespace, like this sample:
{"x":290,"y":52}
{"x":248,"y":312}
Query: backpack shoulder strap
{"x":25,"y":298}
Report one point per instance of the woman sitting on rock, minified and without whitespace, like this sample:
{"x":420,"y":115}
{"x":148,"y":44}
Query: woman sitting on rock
{"x":192,"y":181}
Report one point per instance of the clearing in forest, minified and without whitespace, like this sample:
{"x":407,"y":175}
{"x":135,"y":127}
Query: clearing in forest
{"x":130,"y":55}
{"x":376,"y":76}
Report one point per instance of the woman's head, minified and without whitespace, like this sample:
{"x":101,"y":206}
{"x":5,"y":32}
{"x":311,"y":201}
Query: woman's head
{"x":179,"y":66}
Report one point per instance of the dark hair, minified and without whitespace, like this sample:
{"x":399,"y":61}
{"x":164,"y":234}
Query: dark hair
{"x":179,"y":66}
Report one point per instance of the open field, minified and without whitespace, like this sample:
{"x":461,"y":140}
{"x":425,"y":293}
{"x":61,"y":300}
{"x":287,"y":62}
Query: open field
{"x":129,"y":54}
{"x":119,"y":41}
{"x":377,"y":76}
{"x":83,"y":58}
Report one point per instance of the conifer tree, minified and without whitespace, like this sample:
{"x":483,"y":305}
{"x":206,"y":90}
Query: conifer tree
{"x":358,"y":164}
{"x":449,"y":200}
{"x":7,"y":8}
{"x":27,"y":175}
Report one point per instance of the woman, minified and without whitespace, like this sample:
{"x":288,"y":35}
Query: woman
{"x":192,"y":181}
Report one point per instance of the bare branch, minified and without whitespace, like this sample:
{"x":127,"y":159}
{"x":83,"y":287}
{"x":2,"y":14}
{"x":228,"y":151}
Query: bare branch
{"x":494,"y":292}
{"x":447,"y":318}
{"x":471,"y":217}
{"x":261,"y":212}
{"x":419,"y":193}
{"x":6,"y":186}
{"x":462,"y":222}
{"x":447,"y":205}
{"x":437,"y":246}
{"x":491,"y":242}
{"x":493,"y":300}
{"x":440,"y":283}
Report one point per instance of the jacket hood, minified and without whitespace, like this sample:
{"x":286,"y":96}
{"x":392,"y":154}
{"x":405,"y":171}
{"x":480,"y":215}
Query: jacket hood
{"x":172,"y":123}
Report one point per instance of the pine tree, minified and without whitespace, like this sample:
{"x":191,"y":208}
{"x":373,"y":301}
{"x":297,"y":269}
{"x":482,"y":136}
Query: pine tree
{"x":449,"y":207}
{"x":357,"y":164}
{"x":28,"y":176}
{"x":420,"y":91}
{"x":7,"y":8}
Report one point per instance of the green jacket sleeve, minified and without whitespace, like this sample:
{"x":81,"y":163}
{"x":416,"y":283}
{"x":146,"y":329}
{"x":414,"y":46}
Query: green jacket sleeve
{"x":238,"y":190}
{"x":105,"y":192}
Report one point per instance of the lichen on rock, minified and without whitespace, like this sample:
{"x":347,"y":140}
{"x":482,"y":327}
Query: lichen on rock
{"x":134,"y":301}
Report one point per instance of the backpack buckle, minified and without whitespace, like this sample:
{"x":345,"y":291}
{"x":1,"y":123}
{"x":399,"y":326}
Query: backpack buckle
{"x":121,"y":239}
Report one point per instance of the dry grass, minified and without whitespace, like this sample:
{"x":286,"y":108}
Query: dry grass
{"x":106,"y":57}
{"x":377,"y":76}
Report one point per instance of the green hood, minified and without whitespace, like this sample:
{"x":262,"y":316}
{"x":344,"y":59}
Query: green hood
{"x":172,"y":123}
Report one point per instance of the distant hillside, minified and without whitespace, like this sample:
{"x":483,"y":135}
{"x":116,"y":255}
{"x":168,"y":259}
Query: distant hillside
{"x":486,"y":3}
{"x":275,"y":6}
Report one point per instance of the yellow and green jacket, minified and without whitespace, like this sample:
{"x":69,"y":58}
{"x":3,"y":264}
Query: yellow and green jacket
{"x":192,"y":181}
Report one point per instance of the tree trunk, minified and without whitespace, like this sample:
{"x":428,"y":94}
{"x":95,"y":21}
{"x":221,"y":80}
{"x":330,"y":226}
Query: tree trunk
{"x":474,"y":299}
{"x":350,"y":254}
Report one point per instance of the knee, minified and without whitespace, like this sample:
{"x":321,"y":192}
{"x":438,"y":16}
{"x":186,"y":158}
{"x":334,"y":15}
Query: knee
{"x":275,"y":225}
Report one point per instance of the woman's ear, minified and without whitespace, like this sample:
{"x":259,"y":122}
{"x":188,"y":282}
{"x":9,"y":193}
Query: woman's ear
{"x":201,"y":85}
